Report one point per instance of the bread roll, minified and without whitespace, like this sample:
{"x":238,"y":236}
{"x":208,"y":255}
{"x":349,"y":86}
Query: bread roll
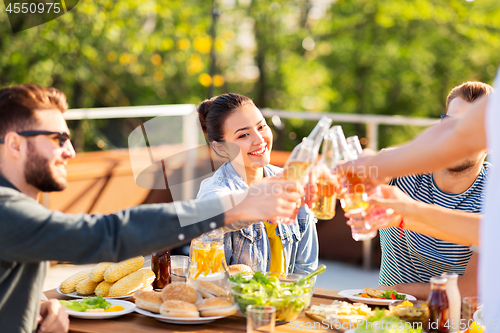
{"x":179,"y":291}
{"x":148,"y":300}
{"x":240,"y":268}
{"x":216,"y":307}
{"x":178,"y":309}
{"x":209,"y":290}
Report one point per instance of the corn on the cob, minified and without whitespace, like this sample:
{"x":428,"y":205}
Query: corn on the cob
{"x":102,"y":289}
{"x":123,"y":268}
{"x":97,"y":274}
{"x":132,"y":282}
{"x":69,"y":285}
{"x":86,"y":287}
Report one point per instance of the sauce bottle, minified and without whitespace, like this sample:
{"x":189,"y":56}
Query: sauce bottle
{"x":160,"y":265}
{"x":454,"y":300}
{"x":439,"y":312}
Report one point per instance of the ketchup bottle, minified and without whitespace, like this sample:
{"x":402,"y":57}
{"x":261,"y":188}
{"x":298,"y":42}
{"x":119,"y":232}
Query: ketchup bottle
{"x":160,"y":265}
{"x":439,"y":311}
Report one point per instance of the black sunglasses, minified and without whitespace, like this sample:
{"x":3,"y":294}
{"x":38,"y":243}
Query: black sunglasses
{"x":61,"y":136}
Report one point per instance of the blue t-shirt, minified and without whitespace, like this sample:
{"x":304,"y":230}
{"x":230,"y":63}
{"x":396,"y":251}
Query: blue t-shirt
{"x":416,"y":257}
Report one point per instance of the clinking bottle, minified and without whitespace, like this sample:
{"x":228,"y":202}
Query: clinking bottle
{"x":354,"y":198}
{"x":324,"y":207}
{"x":305,"y":154}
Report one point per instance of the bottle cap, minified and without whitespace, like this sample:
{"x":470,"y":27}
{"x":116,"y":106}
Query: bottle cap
{"x":439,"y":280}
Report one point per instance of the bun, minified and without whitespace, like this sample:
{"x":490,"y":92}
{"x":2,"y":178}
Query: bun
{"x":178,"y":309}
{"x":209,"y":290}
{"x":179,"y":291}
{"x":148,"y":300}
{"x":240,"y":268}
{"x":216,"y":307}
{"x":203,"y":110}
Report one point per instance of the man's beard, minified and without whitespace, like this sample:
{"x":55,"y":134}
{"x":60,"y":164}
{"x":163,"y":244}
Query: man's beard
{"x":37,"y":172}
{"x":462,"y":167}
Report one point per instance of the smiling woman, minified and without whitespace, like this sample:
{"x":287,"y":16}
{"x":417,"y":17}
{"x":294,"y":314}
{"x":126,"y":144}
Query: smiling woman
{"x":235,"y":129}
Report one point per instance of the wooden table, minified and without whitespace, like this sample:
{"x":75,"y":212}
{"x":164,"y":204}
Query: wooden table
{"x":136,"y":323}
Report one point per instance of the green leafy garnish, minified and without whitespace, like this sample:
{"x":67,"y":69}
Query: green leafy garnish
{"x":383,"y":323}
{"x":263,"y":289}
{"x":87,"y":303}
{"x":387,"y":295}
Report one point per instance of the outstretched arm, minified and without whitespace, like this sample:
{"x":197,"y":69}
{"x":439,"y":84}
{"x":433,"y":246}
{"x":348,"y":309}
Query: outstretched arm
{"x":447,"y":224}
{"x":438,"y":147}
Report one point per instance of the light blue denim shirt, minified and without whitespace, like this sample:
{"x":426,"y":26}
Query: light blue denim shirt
{"x":250,"y":245}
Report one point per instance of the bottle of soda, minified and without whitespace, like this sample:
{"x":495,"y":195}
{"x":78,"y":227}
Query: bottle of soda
{"x":160,"y":265}
{"x":354,"y":198}
{"x":304,"y":155}
{"x":354,"y":145}
{"x":439,"y":311}
{"x":324,"y":207}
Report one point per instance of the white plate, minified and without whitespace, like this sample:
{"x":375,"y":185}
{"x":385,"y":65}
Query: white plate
{"x":177,"y":320}
{"x":128,"y":307}
{"x":349,"y":294}
{"x":75,"y":295}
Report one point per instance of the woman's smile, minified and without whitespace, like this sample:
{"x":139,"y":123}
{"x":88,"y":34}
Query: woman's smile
{"x":259,"y":152}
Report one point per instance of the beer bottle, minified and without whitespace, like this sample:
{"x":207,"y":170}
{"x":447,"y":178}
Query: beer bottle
{"x":324,"y":207}
{"x":160,"y":265}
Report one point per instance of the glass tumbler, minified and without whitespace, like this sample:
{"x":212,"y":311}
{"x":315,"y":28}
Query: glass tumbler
{"x":261,"y":318}
{"x":179,"y":268}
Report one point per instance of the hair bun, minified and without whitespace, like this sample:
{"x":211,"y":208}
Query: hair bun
{"x":203,"y":110}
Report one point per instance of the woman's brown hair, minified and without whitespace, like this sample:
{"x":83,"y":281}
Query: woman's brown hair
{"x":213,"y":112}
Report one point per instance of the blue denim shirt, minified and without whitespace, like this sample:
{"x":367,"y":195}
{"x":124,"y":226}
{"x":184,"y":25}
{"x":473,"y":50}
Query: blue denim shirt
{"x":250,"y":245}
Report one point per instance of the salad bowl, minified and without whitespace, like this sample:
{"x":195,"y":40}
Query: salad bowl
{"x":276,"y":289}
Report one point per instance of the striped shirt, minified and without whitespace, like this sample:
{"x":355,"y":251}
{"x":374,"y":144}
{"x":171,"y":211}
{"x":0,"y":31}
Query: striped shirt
{"x":416,"y":257}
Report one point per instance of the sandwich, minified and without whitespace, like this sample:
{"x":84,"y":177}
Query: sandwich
{"x":209,"y":290}
{"x":240,"y":268}
{"x":179,"y":291}
{"x":148,"y":300}
{"x":375,"y":293}
{"x":216,"y":307}
{"x":176,"y":308}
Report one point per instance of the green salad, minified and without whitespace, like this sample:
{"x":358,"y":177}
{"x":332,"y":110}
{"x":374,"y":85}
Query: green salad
{"x":288,"y":298}
{"x":87,"y":303}
{"x":382,"y":322}
{"x":392,"y":294}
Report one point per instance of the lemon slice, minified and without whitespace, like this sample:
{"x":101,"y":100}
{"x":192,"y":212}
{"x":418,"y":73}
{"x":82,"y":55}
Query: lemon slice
{"x":114,"y":308}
